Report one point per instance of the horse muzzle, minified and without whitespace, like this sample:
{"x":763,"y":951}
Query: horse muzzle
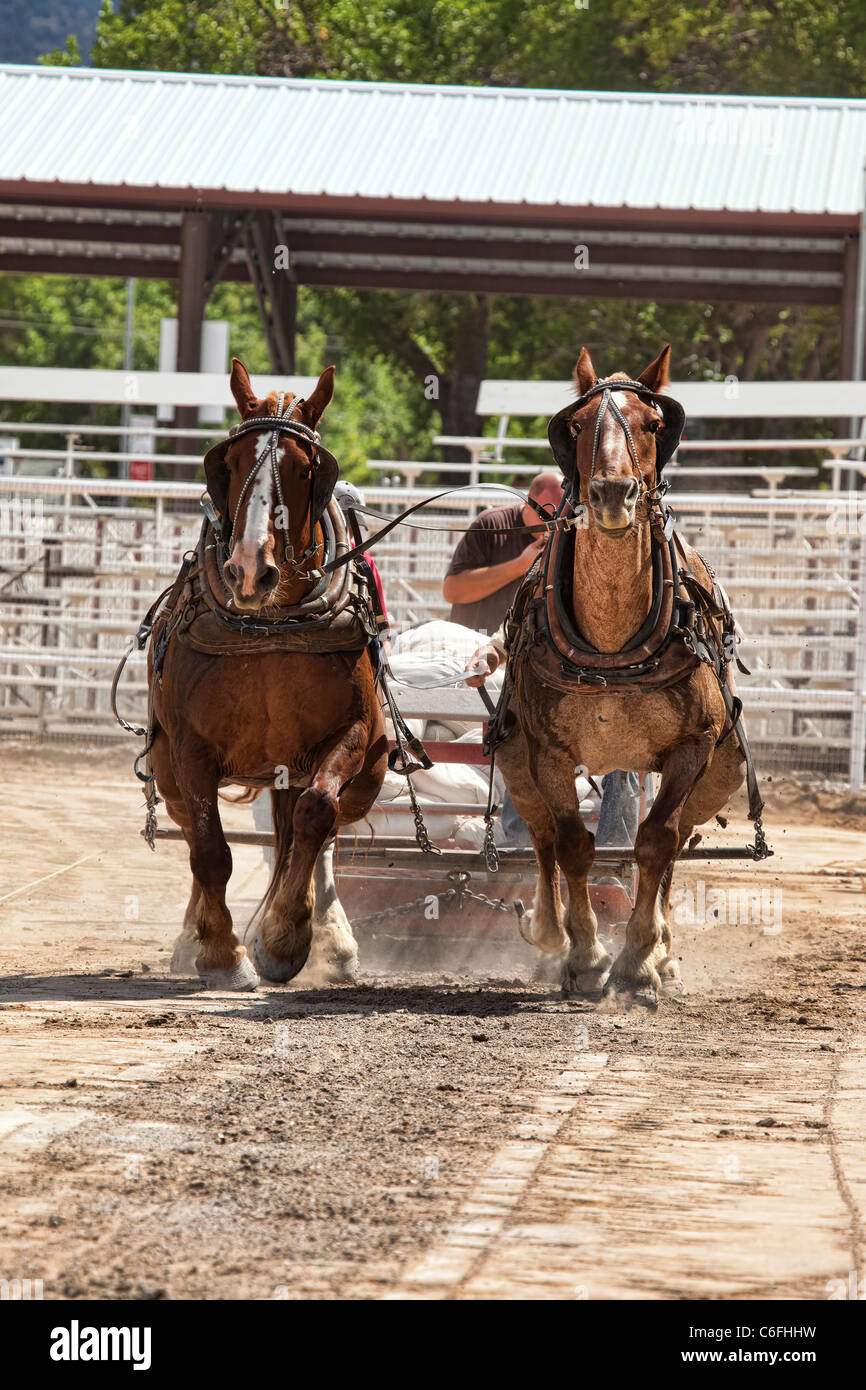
{"x":251,"y":584}
{"x":613,"y":502}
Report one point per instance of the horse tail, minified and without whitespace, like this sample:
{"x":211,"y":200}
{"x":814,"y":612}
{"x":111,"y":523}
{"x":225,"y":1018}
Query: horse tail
{"x":282,"y":810}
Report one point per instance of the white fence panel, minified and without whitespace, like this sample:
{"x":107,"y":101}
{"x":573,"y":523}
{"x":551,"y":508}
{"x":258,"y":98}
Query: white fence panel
{"x":80,"y":562}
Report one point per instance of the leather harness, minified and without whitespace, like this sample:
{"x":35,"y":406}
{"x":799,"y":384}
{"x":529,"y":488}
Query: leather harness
{"x":687,"y":623}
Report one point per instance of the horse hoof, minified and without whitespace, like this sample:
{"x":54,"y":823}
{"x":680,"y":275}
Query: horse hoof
{"x":647,"y":998}
{"x":672,"y":987}
{"x":183,"y":957}
{"x":620,"y":997}
{"x":582,"y":984}
{"x":241,"y":977}
{"x":337,"y":968}
{"x":548,"y":970}
{"x":551,"y":940}
{"x":277,"y":971}
{"x":343,"y":972}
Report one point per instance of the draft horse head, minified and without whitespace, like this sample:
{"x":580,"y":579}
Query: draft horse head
{"x":270,"y":484}
{"x":613,"y":442}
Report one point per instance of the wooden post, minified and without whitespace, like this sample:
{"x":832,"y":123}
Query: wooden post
{"x":191,"y":303}
{"x":848,"y":316}
{"x":275,"y":288}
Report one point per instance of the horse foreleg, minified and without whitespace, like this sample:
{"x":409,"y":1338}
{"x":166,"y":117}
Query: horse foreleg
{"x":282,"y":942}
{"x":221,"y":960}
{"x":658,"y":841}
{"x":543,"y":928}
{"x":587,"y":961}
{"x":333,"y":957}
{"x":186,"y":945}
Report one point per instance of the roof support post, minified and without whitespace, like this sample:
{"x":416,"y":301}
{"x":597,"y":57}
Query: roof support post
{"x":275,"y":284}
{"x":858,"y":294}
{"x":848,"y":310}
{"x":192,"y":297}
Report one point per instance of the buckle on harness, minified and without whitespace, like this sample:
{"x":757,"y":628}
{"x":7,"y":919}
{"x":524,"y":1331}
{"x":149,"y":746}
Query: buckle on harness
{"x":567,"y":523}
{"x":247,"y":625}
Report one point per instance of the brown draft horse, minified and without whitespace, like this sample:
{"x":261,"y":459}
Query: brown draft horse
{"x":676,"y":731}
{"x":243,"y":719}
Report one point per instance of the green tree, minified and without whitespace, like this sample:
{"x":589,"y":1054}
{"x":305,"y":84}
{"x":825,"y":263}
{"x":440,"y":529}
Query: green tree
{"x":402,"y":341}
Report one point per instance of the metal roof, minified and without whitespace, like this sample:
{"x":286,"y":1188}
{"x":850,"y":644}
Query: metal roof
{"x":395,"y":144}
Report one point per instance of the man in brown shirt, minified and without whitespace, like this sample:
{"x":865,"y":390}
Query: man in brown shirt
{"x":490,"y":561}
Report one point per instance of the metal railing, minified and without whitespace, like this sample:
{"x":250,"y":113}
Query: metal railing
{"x":81,"y":560}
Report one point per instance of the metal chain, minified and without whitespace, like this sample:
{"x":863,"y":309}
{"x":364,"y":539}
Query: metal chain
{"x":388,"y":914}
{"x":760,"y":849}
{"x":488,"y":849}
{"x":490,"y":852}
{"x":422,"y":835}
{"x":456,"y":894}
{"x":461,"y":878}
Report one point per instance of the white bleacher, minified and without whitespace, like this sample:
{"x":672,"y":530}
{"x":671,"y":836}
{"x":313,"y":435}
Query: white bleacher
{"x":701,"y":400}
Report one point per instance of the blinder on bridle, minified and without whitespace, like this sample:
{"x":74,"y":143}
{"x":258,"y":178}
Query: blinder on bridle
{"x":564,"y":443}
{"x":324,"y":469}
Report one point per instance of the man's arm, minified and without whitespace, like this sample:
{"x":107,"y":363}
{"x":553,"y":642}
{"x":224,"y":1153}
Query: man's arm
{"x":468,"y":586}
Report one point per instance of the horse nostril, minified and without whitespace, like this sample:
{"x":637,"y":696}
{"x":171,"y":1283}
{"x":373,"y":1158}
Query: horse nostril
{"x":233,"y":573}
{"x":631,"y":495}
{"x":270,"y":578}
{"x":596,"y":494}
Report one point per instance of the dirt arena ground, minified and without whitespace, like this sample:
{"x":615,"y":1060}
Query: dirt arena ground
{"x":457,"y":1132}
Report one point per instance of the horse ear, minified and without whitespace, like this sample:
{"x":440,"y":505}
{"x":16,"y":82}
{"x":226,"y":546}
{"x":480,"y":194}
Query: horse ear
{"x":584,"y":372}
{"x":246,"y":400}
{"x":318,"y":401}
{"x":657,"y":373}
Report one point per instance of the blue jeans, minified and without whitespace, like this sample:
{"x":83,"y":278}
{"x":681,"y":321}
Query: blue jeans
{"x":617,"y":818}
{"x":620,"y":808}
{"x":263,"y":820}
{"x":514,"y":827}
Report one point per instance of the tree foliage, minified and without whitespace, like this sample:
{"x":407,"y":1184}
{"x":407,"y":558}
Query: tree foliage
{"x":389,"y":346}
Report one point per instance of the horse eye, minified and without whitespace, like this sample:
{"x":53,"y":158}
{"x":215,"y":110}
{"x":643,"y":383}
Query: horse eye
{"x":654,"y":426}
{"x":574,"y":427}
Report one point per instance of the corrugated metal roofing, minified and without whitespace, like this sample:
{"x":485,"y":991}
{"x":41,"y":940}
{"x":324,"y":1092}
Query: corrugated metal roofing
{"x":440,"y":144}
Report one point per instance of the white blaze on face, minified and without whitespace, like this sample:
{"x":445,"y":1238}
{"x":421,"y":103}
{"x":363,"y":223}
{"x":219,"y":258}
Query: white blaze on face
{"x":620,"y":398}
{"x":246,"y":550}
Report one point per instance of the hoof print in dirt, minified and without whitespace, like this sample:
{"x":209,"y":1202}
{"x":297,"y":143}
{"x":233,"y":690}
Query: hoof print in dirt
{"x":240,"y":977}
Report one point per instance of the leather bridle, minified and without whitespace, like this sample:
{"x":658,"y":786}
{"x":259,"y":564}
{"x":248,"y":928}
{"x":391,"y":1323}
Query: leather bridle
{"x":563,"y":440}
{"x":276,"y":425}
{"x":605,"y":390}
{"x":323,"y":473}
